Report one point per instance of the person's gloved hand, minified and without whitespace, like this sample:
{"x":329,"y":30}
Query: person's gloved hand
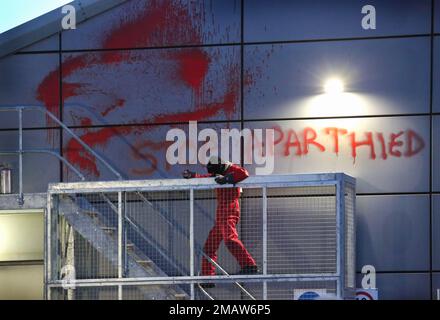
{"x":225,"y":179}
{"x":188,"y":174}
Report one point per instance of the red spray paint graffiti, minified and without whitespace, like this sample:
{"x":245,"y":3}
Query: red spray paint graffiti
{"x":168,"y":22}
{"x":291,"y":143}
{"x":159,"y":23}
{"x":407,"y":143}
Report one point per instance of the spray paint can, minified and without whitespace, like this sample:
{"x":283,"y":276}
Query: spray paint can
{"x":5,"y":180}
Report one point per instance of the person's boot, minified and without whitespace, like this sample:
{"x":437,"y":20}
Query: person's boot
{"x":248,"y":270}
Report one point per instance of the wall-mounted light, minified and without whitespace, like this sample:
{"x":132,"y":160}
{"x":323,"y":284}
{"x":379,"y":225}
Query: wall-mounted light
{"x":335,"y":99}
{"x":334,"y":86}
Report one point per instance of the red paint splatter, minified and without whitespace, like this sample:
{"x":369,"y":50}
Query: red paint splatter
{"x":85,"y":122}
{"x":77,"y":155}
{"x":119,"y":104}
{"x":206,"y":112}
{"x":193,"y":67}
{"x":139,"y":153}
{"x":161,"y":23}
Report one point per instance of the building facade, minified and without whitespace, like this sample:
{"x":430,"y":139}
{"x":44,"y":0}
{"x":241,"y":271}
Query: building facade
{"x":122,"y":79}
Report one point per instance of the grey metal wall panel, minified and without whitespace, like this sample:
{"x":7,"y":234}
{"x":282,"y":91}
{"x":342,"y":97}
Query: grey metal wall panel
{"x":383,"y":170}
{"x":436,"y":87}
{"x":141,"y":23}
{"x":402,"y":286}
{"x":436,"y":286}
{"x":137,"y":152}
{"x":436,"y":232}
{"x":393,"y":232}
{"x":437,"y":16}
{"x":51,"y":43}
{"x":268,"y":20}
{"x":29,"y":80}
{"x":151,"y":86}
{"x":38,"y":169}
{"x":436,"y":153}
{"x":381,"y":77}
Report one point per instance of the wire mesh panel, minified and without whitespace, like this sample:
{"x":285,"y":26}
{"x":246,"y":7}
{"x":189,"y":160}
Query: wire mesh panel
{"x":301,"y":290}
{"x":87,"y":232}
{"x":155,"y":292}
{"x":267,"y":238}
{"x":85,"y":293}
{"x":157,"y":229}
{"x":220,"y":231}
{"x":302,"y":230}
{"x":350,"y":236}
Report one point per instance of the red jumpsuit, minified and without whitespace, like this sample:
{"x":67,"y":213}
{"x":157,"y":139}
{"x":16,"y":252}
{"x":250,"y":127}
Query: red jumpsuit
{"x":227,"y":217}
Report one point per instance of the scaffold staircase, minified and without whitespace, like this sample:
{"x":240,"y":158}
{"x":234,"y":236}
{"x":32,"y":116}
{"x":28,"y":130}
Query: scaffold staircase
{"x":97,"y":225}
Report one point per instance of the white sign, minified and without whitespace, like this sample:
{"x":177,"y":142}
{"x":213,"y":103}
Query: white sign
{"x":309,"y":294}
{"x":367,"y":294}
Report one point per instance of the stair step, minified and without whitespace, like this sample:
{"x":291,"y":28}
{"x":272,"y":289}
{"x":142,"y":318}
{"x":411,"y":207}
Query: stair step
{"x":109,"y":230}
{"x":130,"y":246}
{"x":180,"y":296}
{"x":145,"y":263}
{"x":91,"y":214}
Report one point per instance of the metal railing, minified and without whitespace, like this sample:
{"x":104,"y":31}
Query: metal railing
{"x":299,"y":228}
{"x":21,"y":151}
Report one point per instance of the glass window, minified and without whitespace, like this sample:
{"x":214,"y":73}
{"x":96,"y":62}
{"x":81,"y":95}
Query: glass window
{"x":21,"y":236}
{"x":23,"y":282}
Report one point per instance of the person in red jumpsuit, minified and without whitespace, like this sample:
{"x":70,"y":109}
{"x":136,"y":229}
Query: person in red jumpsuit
{"x":227,"y":217}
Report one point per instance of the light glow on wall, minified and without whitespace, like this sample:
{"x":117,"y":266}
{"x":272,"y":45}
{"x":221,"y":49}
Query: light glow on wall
{"x":334,"y":86}
{"x":335,"y":101}
{"x":344,"y":103}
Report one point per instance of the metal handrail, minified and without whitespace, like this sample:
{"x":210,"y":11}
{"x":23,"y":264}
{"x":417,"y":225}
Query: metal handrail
{"x":21,"y":150}
{"x":46,"y":151}
{"x":62,"y":125}
{"x":339,"y":180}
{"x":172,"y":223}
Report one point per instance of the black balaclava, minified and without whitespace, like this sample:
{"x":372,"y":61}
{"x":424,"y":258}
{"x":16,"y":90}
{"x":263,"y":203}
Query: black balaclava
{"x":217,"y":166}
